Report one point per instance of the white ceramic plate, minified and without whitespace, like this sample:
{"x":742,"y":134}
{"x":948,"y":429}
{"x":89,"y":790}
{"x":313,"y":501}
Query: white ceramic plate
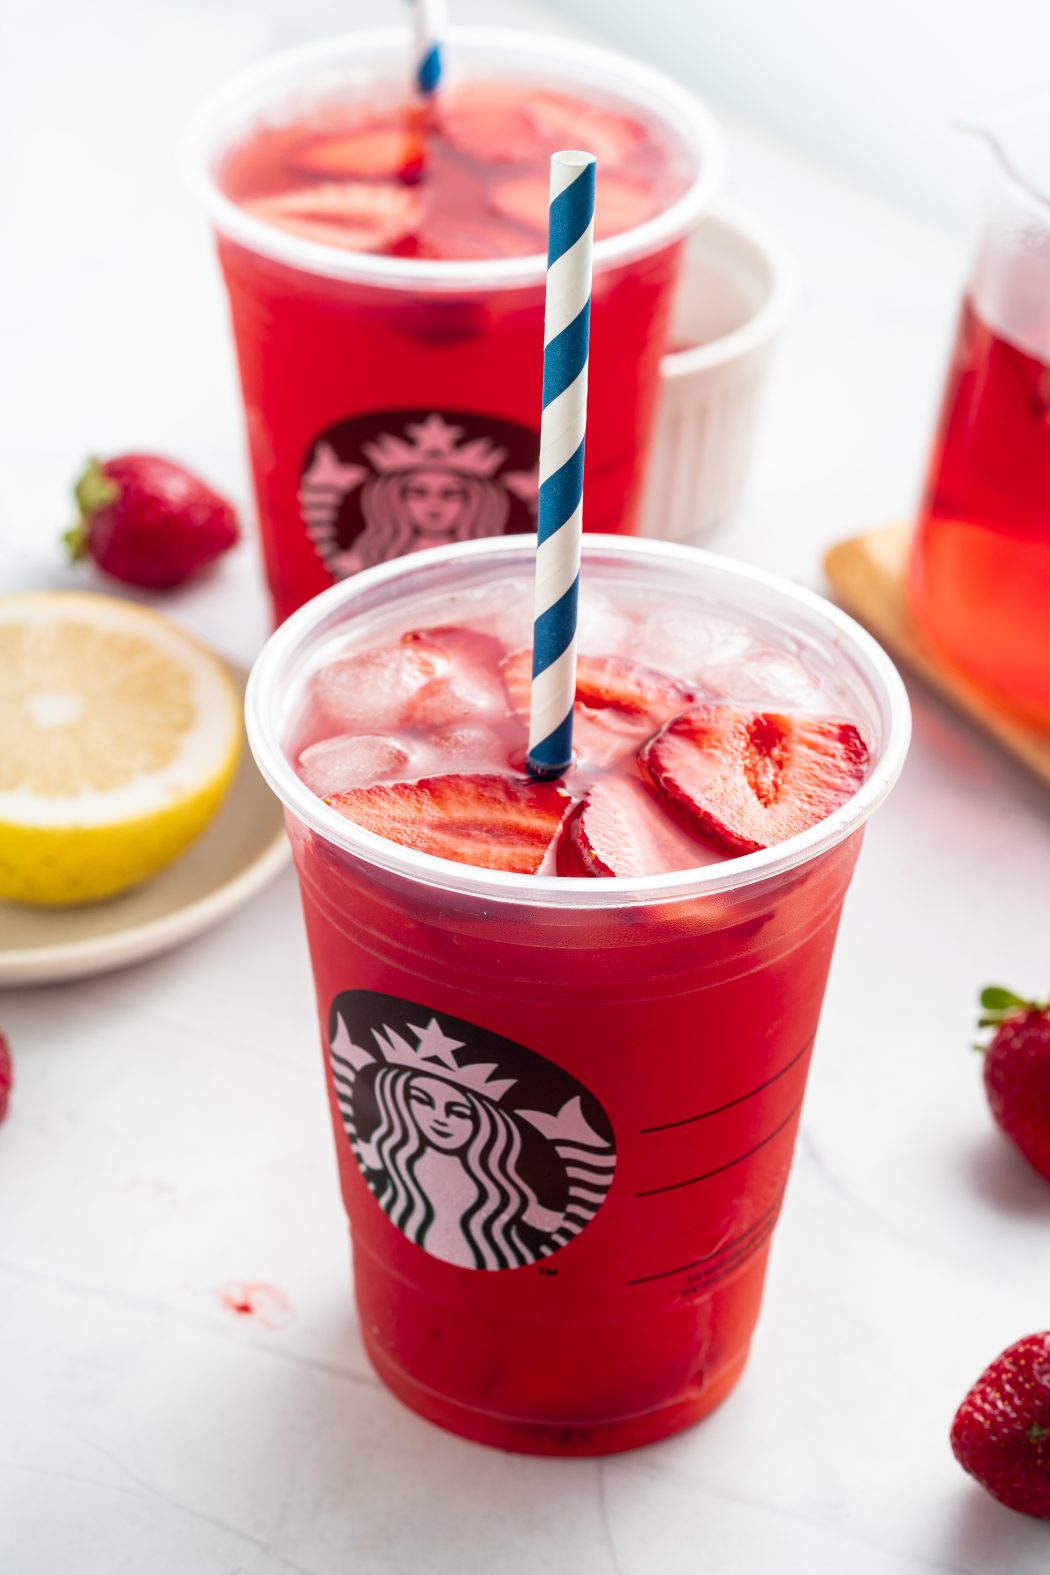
{"x":242,"y":849}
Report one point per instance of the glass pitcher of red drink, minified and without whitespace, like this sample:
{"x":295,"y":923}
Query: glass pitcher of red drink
{"x":979,"y":580}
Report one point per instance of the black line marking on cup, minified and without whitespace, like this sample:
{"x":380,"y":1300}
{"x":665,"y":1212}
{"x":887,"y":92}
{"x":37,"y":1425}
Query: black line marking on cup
{"x":668,"y":1126}
{"x":727,"y":1266}
{"x":725,"y":1250}
{"x":690,"y":1181}
{"x":723,"y":1267}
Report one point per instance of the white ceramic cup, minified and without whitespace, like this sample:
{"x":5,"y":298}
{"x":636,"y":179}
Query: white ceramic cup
{"x":734,"y":296}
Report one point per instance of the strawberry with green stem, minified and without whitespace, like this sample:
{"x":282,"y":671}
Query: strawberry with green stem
{"x":149,"y":522}
{"x":1017,"y":1071}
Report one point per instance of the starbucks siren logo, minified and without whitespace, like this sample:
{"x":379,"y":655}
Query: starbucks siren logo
{"x":378,"y":486}
{"x":445,"y":1141}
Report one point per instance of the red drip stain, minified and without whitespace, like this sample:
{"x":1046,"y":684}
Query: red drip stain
{"x":7,"y":1075}
{"x":269,"y":1306}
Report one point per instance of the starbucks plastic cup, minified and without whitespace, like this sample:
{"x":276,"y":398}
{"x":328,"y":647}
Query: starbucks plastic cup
{"x":627,"y":1058}
{"x":346,"y":355}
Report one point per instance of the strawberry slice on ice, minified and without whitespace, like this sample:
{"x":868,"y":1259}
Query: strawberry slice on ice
{"x":619,"y":694}
{"x":357,"y":216}
{"x":471,"y":646}
{"x":622,"y":828}
{"x":749,"y":779}
{"x":565,"y":123}
{"x":483,"y":123}
{"x":618,"y":204}
{"x":369,"y":153}
{"x":465,"y":687}
{"x":494,"y":822}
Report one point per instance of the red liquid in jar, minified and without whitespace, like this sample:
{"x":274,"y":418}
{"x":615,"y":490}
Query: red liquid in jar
{"x":386,"y":418}
{"x":980,"y":568}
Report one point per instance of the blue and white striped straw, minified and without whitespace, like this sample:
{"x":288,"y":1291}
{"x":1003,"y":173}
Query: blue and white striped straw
{"x":566,"y":339}
{"x":431,"y":25}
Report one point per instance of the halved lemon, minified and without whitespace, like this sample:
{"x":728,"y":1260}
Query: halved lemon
{"x":119,"y":736}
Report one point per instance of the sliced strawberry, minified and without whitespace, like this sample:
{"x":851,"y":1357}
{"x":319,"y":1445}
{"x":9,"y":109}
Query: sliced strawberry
{"x":465,"y":687}
{"x":618,"y":205}
{"x":618,"y":694}
{"x":371,"y":153}
{"x":357,"y":216}
{"x":495,"y":822}
{"x":567,"y":123}
{"x":483,"y":123}
{"x":626,"y":696}
{"x":623,"y":828}
{"x":748,"y":779}
{"x":473,"y":646}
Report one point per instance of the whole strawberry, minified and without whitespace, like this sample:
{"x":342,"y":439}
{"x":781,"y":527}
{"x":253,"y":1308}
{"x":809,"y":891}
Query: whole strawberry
{"x":146,"y":521}
{"x":1001,"y":1432}
{"x":6,"y":1075}
{"x":1017,"y":1071}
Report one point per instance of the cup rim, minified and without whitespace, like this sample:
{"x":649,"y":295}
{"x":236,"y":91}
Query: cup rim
{"x":686,"y":113}
{"x":770,"y":316}
{"x":562,"y":892}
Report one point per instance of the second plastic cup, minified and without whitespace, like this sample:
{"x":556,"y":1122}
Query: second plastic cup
{"x":433,"y":365}
{"x":638,"y":1048}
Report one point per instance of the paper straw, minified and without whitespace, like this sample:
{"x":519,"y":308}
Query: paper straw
{"x":431,"y":25}
{"x":566,"y":337}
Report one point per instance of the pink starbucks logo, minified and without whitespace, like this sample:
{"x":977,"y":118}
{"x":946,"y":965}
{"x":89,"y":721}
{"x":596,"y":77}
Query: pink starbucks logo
{"x":480,"y":1151}
{"x":393,"y":482}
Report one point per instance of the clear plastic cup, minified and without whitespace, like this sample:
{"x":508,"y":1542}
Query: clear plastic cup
{"x":342,"y":351}
{"x":640,"y":1045}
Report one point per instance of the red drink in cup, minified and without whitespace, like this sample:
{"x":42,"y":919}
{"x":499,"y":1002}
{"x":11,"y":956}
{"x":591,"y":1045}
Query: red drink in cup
{"x":567,"y":1027}
{"x":385,"y":267}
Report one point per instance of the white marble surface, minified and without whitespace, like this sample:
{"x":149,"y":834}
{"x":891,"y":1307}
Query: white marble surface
{"x":168,"y":1135}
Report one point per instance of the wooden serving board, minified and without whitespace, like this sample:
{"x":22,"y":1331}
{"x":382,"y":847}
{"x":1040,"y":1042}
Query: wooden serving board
{"x":867,"y":573}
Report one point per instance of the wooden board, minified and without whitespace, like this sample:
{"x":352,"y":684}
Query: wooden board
{"x":867,"y":574}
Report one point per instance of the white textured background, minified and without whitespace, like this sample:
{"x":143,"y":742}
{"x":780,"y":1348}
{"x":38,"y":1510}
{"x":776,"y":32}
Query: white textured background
{"x":168,"y":1132}
{"x":871,"y":86}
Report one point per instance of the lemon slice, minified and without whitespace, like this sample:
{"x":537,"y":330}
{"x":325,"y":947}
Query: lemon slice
{"x":119,"y":736}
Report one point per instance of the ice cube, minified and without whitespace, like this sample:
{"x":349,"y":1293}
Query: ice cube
{"x":689,"y":645}
{"x":466,"y":746}
{"x":371,"y":691}
{"x":770,"y":679}
{"x":349,"y":760}
{"x":467,"y":688}
{"x":602,"y":629}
